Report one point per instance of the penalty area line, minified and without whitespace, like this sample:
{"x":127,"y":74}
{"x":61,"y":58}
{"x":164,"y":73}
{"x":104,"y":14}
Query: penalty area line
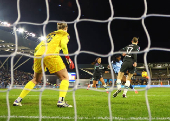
{"x":102,"y":118}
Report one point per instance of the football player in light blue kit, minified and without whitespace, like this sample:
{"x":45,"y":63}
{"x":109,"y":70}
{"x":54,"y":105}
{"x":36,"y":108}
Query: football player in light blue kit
{"x":116,"y":63}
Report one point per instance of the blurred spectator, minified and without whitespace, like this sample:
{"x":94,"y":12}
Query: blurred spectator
{"x":20,"y":77}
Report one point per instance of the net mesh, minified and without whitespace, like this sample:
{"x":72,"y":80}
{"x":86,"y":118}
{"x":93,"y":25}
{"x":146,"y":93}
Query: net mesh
{"x":109,"y":20}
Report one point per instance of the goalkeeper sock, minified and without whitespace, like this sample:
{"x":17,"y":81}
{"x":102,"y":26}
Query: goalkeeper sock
{"x":61,"y":98}
{"x":63,"y":86}
{"x":19,"y":99}
{"x":30,"y":85}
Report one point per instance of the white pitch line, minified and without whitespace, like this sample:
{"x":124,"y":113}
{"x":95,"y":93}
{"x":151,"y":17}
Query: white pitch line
{"x":92,"y":118}
{"x":91,"y":95}
{"x":51,"y":95}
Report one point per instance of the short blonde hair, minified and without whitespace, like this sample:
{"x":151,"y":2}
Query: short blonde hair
{"x":61,"y":25}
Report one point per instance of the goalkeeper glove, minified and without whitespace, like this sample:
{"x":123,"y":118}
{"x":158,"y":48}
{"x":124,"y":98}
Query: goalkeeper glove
{"x":70,"y":62}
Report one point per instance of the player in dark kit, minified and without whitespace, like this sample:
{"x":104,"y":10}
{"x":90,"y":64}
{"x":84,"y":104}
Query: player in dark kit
{"x":98,"y":73}
{"x":129,"y":63}
{"x":116,"y":64}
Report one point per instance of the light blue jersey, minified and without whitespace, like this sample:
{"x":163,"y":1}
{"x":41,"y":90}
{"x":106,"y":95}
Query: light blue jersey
{"x":116,"y":66}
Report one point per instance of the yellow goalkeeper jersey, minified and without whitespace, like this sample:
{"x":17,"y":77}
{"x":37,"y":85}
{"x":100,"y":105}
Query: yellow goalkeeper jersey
{"x":56,"y":41}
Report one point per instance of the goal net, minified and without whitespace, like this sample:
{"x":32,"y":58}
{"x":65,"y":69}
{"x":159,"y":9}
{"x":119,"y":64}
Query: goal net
{"x":79,"y":51}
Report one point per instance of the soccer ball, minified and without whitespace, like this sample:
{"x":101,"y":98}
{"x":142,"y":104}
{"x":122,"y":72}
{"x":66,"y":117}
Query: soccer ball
{"x":144,"y":74}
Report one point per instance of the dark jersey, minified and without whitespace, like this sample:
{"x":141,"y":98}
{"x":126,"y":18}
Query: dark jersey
{"x":98,"y":69}
{"x":131,"y":48}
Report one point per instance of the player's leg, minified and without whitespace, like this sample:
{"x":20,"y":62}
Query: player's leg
{"x":115,"y":78}
{"x":88,"y":86}
{"x":124,"y":80}
{"x":94,"y":83}
{"x":28,"y":87}
{"x":119,"y":78}
{"x":94,"y":78}
{"x":131,"y":86}
{"x":127,"y":84}
{"x":103,"y":83}
{"x":63,"y":76}
{"x":133,"y":70}
{"x":137,"y":74}
{"x":123,"y":69}
{"x":55,"y":65}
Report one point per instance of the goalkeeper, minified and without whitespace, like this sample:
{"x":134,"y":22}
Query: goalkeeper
{"x":56,"y":41}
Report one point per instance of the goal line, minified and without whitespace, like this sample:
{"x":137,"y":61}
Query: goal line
{"x":92,"y":118}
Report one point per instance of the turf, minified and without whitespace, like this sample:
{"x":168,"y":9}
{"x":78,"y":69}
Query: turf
{"x":91,"y":106}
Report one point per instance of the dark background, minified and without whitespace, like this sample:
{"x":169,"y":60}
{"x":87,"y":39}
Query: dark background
{"x":94,"y":36}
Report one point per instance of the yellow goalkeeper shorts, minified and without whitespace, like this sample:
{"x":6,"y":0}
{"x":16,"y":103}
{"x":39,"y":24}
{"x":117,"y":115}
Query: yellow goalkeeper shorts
{"x":53,"y":63}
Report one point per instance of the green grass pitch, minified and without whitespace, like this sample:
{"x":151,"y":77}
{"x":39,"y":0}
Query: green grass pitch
{"x":91,"y":106}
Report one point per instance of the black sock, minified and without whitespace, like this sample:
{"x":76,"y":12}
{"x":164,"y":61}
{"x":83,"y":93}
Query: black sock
{"x":62,"y":99}
{"x":131,"y":86}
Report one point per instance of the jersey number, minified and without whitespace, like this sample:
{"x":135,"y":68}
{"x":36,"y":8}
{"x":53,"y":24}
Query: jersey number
{"x":50,"y":38}
{"x":129,"y":49}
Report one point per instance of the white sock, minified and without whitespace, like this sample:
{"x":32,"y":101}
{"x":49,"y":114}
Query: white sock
{"x":127,"y":84}
{"x":105,"y":86}
{"x":118,"y":84}
{"x":125,"y":91}
{"x":61,"y":99}
{"x":19,"y":99}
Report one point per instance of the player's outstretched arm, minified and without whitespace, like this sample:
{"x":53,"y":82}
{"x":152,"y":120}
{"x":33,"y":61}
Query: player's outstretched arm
{"x":64,"y":43}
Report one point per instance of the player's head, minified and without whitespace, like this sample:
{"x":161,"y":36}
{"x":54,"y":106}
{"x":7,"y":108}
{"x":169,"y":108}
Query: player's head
{"x":135,"y":40}
{"x":62,"y":26}
{"x":116,"y":58}
{"x":98,"y":60}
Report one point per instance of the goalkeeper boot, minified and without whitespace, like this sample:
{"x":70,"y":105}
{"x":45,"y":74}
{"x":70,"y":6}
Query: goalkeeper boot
{"x":117,"y":92}
{"x":63,"y":104}
{"x":16,"y":103}
{"x":124,"y":96}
